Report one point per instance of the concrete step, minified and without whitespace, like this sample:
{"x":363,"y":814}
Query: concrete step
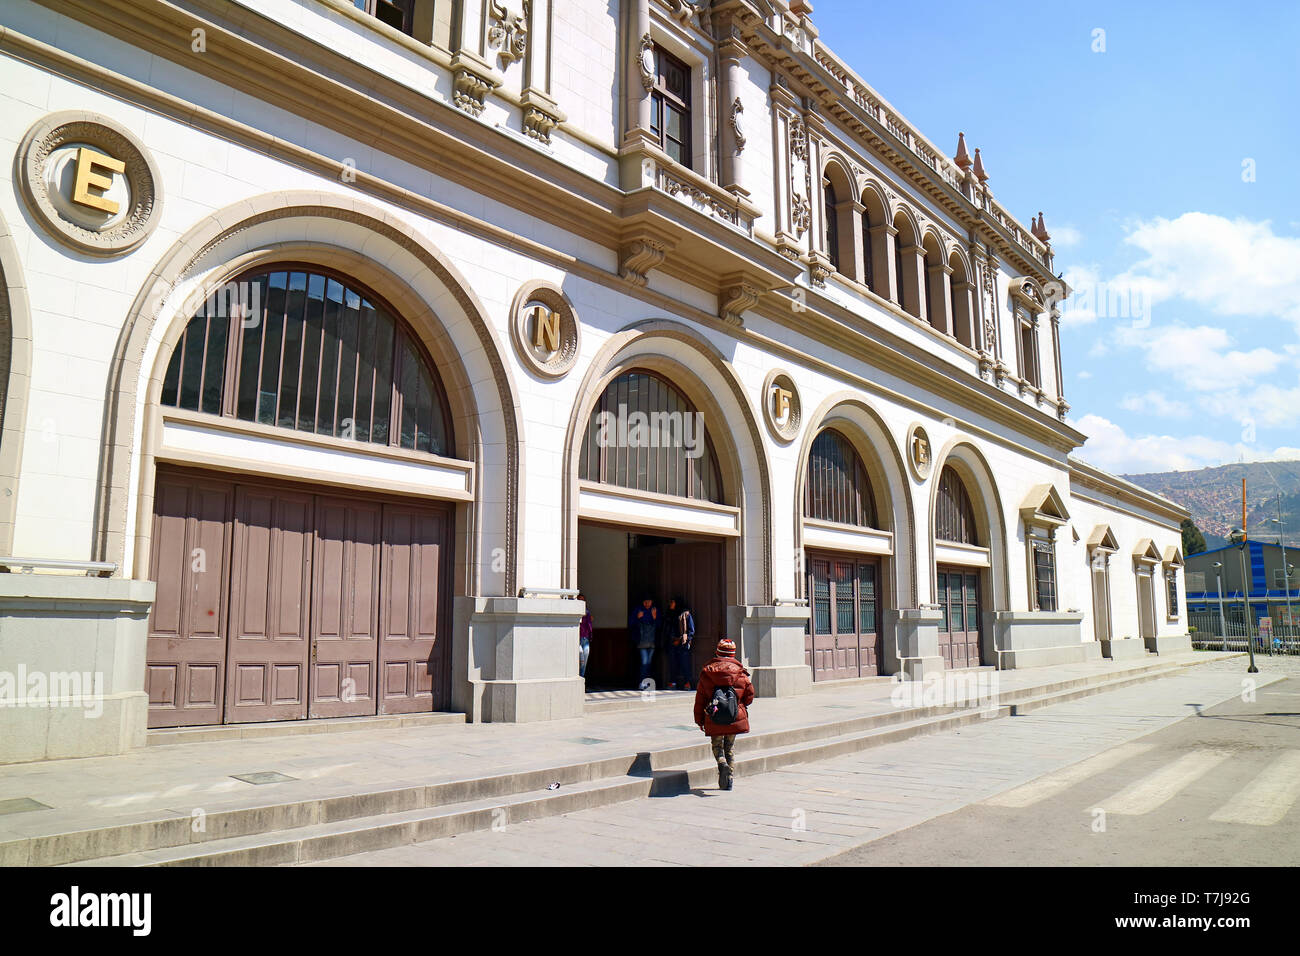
{"x":358,"y":835}
{"x":162,"y":736}
{"x":172,"y":831}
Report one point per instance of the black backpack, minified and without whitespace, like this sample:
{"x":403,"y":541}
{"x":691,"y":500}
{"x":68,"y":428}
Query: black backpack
{"x":724,"y":708}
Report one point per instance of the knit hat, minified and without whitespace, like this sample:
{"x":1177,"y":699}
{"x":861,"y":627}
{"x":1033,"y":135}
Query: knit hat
{"x":726,"y":647}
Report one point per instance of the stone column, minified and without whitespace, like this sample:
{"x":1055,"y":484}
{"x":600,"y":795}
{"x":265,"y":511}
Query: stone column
{"x":940,"y":288}
{"x":541,"y":113}
{"x":883,"y":238}
{"x":914,"y":653}
{"x":732,"y":135}
{"x":516,"y":659}
{"x":771,"y":647}
{"x":963,"y":314}
{"x":911,"y":279}
{"x":473,"y":76}
{"x":848,"y":222}
{"x":638,"y":79}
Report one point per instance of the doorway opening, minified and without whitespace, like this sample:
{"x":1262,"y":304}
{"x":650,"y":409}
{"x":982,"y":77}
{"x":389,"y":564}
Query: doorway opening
{"x":618,"y":566}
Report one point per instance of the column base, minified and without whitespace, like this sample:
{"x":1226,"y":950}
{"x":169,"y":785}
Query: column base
{"x":1178,"y":644}
{"x":1126,"y":649}
{"x":771,"y":646}
{"x":1041,"y":639}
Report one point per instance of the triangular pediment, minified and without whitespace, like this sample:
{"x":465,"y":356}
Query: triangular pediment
{"x":1044,"y":505}
{"x":1103,"y":539}
{"x":1147,"y":551}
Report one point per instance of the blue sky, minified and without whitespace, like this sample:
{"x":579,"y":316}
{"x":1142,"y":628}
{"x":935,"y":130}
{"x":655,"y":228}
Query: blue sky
{"x":1168,"y":167}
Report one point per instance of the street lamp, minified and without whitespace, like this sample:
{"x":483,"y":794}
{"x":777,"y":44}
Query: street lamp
{"x":1218,"y":579}
{"x":1250,"y":637}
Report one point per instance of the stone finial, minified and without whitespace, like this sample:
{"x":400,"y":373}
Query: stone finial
{"x":980,"y":174}
{"x":962,"y":158}
{"x":1040,"y":228}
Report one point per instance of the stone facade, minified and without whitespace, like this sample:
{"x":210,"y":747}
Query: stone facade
{"x":496,"y":156}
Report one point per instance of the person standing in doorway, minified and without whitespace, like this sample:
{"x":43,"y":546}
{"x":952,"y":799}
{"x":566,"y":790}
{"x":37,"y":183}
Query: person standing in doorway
{"x":585,"y":627}
{"x":722,"y":699}
{"x":643,"y":628}
{"x":681,"y":632}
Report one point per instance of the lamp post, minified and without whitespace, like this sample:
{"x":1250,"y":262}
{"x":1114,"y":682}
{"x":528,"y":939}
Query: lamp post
{"x":1286,"y":569}
{"x":1218,"y":584}
{"x":1245,"y":593}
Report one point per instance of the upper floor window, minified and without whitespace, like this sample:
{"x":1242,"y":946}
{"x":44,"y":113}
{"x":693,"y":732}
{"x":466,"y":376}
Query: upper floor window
{"x":670,"y":106}
{"x":398,"y":14}
{"x":836,"y":487}
{"x":1043,"y":550}
{"x":832,"y":226}
{"x":1029,"y":370}
{"x":302,"y":348}
{"x":645,"y":434}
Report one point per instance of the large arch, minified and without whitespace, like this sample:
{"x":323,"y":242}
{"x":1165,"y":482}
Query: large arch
{"x":388,"y":256}
{"x":15,"y":380}
{"x":696,"y":367}
{"x":843,"y":226}
{"x":973,"y":469}
{"x":871,"y":438}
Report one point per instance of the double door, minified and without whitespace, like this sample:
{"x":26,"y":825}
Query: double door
{"x":275,"y":603}
{"x":959,"y":627}
{"x":843,"y":635}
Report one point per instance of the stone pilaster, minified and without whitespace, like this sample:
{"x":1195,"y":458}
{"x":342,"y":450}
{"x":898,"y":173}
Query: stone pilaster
{"x":914,"y":652}
{"x":771,"y":647}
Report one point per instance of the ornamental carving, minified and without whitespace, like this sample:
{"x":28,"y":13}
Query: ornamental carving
{"x":508,"y":31}
{"x":469,"y":91}
{"x":737,"y":108}
{"x":782,"y":407}
{"x":799,"y":141}
{"x":538,"y":124}
{"x":89,"y":182}
{"x":919,"y":453}
{"x":637,"y":258}
{"x":545,"y":329}
{"x":645,"y":60}
{"x":800,"y":215}
{"x":735,"y":298}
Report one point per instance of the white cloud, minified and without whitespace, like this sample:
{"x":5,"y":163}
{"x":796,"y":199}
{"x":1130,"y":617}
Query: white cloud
{"x":1201,"y":357}
{"x":1154,"y":403}
{"x":1231,"y":266}
{"x":1111,"y":448}
{"x":1078,"y":309}
{"x":1065,"y":237}
{"x":1085,"y":374}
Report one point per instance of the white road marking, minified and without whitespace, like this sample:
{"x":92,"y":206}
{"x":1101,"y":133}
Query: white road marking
{"x":1054,"y":783}
{"x":1266,"y":799}
{"x":1160,"y":786}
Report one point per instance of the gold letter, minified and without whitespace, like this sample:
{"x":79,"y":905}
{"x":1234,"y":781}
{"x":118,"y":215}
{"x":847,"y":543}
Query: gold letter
{"x":782,"y":396}
{"x":87,"y":179}
{"x":546,"y":335}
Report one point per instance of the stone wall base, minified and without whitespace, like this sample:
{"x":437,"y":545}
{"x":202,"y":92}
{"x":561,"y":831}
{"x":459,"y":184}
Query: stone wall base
{"x":770,"y":643}
{"x":1124,"y":649}
{"x":72,"y":662}
{"x":1177,"y":644}
{"x":1041,"y":639}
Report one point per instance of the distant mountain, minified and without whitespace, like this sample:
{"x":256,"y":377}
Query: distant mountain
{"x":1213,"y":496}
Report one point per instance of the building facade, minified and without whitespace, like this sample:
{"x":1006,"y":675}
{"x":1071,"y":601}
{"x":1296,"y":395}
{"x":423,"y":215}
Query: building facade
{"x":345,"y":343}
{"x":1226,"y":577}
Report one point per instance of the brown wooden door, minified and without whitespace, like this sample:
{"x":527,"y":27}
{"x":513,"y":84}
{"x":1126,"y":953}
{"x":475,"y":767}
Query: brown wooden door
{"x":414,"y":613}
{"x":270,"y":605}
{"x":843,"y":636}
{"x":959,"y":627}
{"x":189,"y":560}
{"x":344,"y":608}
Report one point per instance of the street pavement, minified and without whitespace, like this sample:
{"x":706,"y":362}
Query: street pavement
{"x":1184,"y":768}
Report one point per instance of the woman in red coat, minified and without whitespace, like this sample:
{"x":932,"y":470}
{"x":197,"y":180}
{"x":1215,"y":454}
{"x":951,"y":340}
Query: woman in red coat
{"x":724,"y":671}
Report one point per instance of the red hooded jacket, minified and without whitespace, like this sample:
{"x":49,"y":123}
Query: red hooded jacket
{"x":723,"y":672}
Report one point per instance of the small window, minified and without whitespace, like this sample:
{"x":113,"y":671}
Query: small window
{"x":1171,"y":583}
{"x":1044,"y":552}
{"x":670,"y":106}
{"x":398,"y":14}
{"x":832,"y":227}
{"x":836,"y":486}
{"x":1029,"y":351}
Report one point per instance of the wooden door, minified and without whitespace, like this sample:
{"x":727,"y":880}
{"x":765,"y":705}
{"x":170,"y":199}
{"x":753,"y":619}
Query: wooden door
{"x":189,"y":561}
{"x":959,"y":626}
{"x":868,"y":596}
{"x":842,"y":639}
{"x":270,"y":605}
{"x":414,"y":614}
{"x":344,"y":608}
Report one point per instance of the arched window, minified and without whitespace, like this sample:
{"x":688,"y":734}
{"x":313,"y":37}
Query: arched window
{"x":868,"y":251}
{"x":304,"y":348}
{"x":836,"y":487}
{"x":832,"y":226}
{"x":645,"y":434}
{"x":954,"y":518}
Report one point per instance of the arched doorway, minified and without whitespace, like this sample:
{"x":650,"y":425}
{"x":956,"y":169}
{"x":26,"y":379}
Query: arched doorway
{"x":656,"y":519}
{"x":301,"y":571}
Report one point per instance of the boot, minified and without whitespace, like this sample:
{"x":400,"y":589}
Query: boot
{"x":724,"y":775}
{"x":731,"y":772}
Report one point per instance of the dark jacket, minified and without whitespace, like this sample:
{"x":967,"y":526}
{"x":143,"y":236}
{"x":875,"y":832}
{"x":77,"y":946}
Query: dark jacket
{"x":723,"y":672}
{"x":637,"y":630}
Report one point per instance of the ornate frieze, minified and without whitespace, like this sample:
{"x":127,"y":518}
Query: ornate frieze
{"x":508,"y":31}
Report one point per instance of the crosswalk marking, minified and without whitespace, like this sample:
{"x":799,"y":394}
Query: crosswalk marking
{"x":1158,"y":787}
{"x":1054,"y":783}
{"x":1266,"y":799}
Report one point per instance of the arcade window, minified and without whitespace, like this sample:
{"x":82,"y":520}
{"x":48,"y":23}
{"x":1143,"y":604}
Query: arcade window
{"x":670,"y":106}
{"x":398,"y":14}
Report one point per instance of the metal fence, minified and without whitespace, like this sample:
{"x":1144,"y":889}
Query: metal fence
{"x":1208,"y":634}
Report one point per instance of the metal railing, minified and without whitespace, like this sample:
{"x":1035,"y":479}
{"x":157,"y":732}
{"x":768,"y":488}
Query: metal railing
{"x":1208,"y":634}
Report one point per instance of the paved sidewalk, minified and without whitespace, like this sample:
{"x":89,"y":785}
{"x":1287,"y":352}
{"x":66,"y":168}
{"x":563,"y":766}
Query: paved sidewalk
{"x":810,"y":812}
{"x":180,"y":778}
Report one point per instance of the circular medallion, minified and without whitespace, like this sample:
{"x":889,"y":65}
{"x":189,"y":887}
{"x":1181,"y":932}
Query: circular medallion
{"x":90,"y":182}
{"x":782,"y":409}
{"x":544,"y":329}
{"x":919,"y":452}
